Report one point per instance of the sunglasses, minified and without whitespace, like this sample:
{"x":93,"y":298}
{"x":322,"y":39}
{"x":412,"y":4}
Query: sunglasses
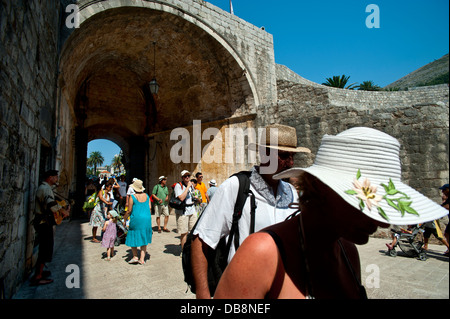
{"x":285,"y":155}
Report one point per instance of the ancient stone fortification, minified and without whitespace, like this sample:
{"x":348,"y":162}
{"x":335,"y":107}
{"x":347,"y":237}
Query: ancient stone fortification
{"x":56,"y":85}
{"x":29,"y":67}
{"x":418,"y":118}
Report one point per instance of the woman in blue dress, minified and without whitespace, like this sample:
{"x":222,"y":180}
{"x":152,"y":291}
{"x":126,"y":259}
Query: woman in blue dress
{"x":140,"y":231}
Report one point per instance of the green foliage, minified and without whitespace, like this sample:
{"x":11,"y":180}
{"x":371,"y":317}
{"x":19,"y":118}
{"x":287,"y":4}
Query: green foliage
{"x":339,"y":82}
{"x":368,"y":86}
{"x":95,"y":159}
{"x":441,"y":79}
{"x":117,"y":161}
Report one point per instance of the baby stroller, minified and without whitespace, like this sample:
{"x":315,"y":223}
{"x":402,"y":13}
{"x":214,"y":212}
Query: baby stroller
{"x":409,"y":243}
{"x":121,"y":230}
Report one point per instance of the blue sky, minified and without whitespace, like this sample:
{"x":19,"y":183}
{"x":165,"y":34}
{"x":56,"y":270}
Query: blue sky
{"x":106,"y":147}
{"x":319,"y":39}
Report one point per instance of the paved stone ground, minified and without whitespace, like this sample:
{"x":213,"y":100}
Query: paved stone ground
{"x":161,"y":277}
{"x":404,"y":277}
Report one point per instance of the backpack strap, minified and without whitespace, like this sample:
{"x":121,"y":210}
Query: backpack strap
{"x":243,"y":192}
{"x":252,"y":211}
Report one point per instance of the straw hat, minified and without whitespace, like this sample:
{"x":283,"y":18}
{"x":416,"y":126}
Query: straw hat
{"x":284,"y":139}
{"x":362,"y":165}
{"x":212,"y":182}
{"x":137,"y":186}
{"x":161,"y":178}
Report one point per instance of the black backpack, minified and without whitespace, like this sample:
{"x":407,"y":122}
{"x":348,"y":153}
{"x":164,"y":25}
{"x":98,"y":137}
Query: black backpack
{"x":175,"y":202}
{"x":218,"y":258}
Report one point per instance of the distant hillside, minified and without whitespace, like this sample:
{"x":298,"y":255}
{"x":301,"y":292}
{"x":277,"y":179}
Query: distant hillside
{"x":436,"y":72}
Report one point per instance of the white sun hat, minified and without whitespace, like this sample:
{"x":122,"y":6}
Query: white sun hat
{"x":362,"y":165}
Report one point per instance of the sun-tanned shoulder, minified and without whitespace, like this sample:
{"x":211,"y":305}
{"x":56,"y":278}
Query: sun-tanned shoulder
{"x":261,"y":242}
{"x":261,"y":247}
{"x":252,"y":269}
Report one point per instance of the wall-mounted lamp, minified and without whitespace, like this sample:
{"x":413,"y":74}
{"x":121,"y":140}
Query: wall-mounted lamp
{"x":153,"y":85}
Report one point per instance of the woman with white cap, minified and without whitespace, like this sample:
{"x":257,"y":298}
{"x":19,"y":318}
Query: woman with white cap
{"x":186,"y":218}
{"x":353,"y":187}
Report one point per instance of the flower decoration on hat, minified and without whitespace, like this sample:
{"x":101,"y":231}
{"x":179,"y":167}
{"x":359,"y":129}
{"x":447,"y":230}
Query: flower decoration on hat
{"x":367,"y":195}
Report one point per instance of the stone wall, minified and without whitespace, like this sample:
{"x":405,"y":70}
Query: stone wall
{"x":418,"y":118}
{"x":28,"y":51}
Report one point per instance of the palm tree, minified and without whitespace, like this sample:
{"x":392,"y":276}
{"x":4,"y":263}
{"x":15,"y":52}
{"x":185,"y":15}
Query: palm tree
{"x":117,"y":162}
{"x":339,"y":82}
{"x":95,"y":159}
{"x":368,"y":86}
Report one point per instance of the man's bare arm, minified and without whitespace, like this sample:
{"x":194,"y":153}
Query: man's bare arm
{"x":200,"y":268}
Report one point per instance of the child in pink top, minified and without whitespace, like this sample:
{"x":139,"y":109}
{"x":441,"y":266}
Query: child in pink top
{"x":110,"y":234}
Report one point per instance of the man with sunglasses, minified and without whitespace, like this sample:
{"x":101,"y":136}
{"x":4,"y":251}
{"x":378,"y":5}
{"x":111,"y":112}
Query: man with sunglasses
{"x":272,"y":199}
{"x":203,"y":190}
{"x":185,"y":218}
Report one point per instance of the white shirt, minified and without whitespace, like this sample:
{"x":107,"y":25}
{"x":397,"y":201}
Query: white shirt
{"x":130,"y":191}
{"x":179,"y":189}
{"x":216,"y":220}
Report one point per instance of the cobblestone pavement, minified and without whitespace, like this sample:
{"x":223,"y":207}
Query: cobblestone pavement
{"x":161,"y":277}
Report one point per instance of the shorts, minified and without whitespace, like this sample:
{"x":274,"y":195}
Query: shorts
{"x":430,"y":231}
{"x":161,"y":210}
{"x":185,"y":222}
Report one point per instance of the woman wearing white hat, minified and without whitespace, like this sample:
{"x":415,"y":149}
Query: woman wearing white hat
{"x":140,"y":231}
{"x":353,"y":187}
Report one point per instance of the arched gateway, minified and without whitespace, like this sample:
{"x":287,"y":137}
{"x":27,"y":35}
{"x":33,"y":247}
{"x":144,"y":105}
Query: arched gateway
{"x":62,"y":87}
{"x":212,"y":68}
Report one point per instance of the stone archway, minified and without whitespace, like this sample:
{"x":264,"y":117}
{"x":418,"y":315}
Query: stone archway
{"x":107,"y":63}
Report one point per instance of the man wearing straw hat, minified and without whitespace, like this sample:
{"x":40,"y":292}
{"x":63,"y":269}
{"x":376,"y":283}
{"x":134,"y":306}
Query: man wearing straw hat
{"x":353,"y":187}
{"x":276,"y":148}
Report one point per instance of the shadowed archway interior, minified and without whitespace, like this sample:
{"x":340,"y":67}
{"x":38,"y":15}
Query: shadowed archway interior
{"x":106,"y":66}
